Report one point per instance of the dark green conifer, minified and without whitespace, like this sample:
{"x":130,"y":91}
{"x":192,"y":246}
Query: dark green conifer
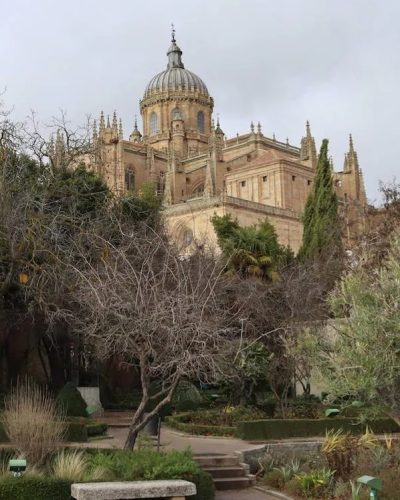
{"x":321,"y":222}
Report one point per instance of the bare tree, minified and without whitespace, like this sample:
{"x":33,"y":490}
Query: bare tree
{"x":158,"y":311}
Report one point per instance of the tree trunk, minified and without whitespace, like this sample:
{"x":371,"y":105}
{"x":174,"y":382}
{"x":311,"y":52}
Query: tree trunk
{"x":138,"y":423}
{"x":131,"y":439}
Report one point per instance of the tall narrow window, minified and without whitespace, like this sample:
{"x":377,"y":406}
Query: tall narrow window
{"x":153,"y":123}
{"x":200,"y":122}
{"x":161,"y":184}
{"x":129,"y":179}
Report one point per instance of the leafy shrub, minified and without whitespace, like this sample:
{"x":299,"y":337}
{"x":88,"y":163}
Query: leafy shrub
{"x":266,"y":402}
{"x":202,"y":430}
{"x":293,"y":487}
{"x":32,"y":422}
{"x":228,"y":416}
{"x":305,"y":406}
{"x":313,"y":484}
{"x":275,"y":479}
{"x":289,"y":470}
{"x":147,"y":464}
{"x":186,"y":397}
{"x":340,"y":449}
{"x":70,"y":401}
{"x":76,"y":432}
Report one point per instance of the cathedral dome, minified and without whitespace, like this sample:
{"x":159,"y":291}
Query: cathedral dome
{"x":175,"y":77}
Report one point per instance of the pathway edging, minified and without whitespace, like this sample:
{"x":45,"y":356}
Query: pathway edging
{"x":273,"y":493}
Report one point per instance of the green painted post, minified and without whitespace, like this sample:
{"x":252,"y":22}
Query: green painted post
{"x":374,"y":484}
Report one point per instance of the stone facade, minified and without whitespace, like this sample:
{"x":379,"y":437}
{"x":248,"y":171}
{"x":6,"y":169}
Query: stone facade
{"x":199,"y":171}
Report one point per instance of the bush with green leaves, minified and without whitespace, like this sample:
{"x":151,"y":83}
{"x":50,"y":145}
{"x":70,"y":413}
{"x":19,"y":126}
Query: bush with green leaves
{"x":186,"y":397}
{"x":361,"y":361}
{"x":70,"y":401}
{"x":146,"y":464}
{"x":315,"y":483}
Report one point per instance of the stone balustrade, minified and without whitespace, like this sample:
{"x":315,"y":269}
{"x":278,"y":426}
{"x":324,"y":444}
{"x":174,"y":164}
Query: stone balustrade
{"x":170,"y":490}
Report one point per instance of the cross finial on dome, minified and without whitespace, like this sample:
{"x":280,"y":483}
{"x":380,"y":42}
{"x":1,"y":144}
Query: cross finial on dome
{"x":174,"y":53}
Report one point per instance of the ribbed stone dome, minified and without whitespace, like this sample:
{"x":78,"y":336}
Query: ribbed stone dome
{"x":175,"y":76}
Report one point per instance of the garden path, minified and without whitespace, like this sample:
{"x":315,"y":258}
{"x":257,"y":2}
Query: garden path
{"x":247,"y":494}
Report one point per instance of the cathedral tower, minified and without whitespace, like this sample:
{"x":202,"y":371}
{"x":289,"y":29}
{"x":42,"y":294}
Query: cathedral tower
{"x":176,"y":108}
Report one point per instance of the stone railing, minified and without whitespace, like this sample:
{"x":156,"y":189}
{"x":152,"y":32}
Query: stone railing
{"x":170,"y":490}
{"x":216,"y":201}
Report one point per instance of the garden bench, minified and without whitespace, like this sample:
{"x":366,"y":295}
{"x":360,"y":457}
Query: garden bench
{"x":171,"y":490}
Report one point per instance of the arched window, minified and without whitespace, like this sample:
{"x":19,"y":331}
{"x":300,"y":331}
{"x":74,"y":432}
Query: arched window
{"x":200,"y":122}
{"x":153,"y":123}
{"x":176,"y":114}
{"x":129,"y":179}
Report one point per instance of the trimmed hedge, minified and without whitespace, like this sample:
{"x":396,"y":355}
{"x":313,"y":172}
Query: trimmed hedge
{"x":78,"y":430}
{"x":34,"y":488}
{"x":76,"y":433}
{"x":71,"y":402}
{"x":96,"y":429}
{"x":197,"y":429}
{"x":281,"y":429}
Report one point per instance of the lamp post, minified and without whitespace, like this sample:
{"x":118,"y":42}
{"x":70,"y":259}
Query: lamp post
{"x":374,"y":484}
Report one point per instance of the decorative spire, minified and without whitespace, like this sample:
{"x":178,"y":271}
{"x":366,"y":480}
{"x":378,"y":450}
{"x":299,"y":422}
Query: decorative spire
{"x":273,"y":136}
{"x":94,"y":131}
{"x":108,"y":121}
{"x":115,"y":122}
{"x":259,"y":128}
{"x":252,"y":127}
{"x":120,"y":131}
{"x":351,"y":160}
{"x":135,"y":135}
{"x":218,"y":129}
{"x":308,"y":151}
{"x":308,"y":130}
{"x":174,"y":53}
{"x":102,"y":124}
{"x":287,"y":141}
{"x":351,"y":146}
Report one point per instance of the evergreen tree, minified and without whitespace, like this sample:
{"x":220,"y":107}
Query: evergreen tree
{"x":321,"y":222}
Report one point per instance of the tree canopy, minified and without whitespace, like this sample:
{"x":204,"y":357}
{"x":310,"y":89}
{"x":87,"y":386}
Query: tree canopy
{"x":253,"y":250}
{"x":362,"y":360}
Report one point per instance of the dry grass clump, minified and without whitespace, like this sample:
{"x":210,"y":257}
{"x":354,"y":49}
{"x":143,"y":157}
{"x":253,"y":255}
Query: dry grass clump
{"x":32,"y":422}
{"x":70,"y":465}
{"x":73,"y":465}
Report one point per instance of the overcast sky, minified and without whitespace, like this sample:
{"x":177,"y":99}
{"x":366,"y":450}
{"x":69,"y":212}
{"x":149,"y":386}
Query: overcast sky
{"x":335,"y":63}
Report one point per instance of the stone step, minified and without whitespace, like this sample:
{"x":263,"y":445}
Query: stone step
{"x":225,"y":472}
{"x":217,"y":460}
{"x":232,"y":483}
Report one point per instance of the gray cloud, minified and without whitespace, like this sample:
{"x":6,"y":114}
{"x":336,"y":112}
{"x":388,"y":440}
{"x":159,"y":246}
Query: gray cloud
{"x":334,"y":63}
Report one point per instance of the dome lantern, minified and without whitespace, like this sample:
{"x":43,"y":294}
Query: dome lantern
{"x":175,"y":77}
